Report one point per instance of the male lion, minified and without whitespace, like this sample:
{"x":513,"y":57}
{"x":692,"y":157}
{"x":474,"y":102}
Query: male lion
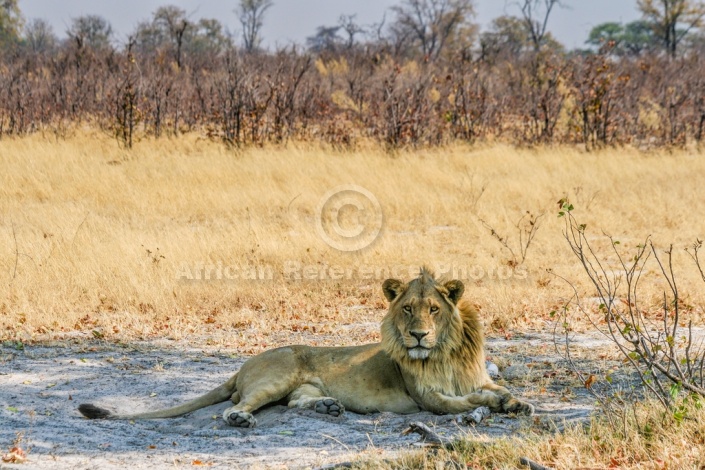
{"x":431,"y":358}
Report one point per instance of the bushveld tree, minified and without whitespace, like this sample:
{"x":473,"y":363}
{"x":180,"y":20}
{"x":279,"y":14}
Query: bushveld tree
{"x":171,"y":29}
{"x":509,"y":36}
{"x":672,"y":20}
{"x":328,"y":39}
{"x":209,"y":35}
{"x":10,"y":22}
{"x":506,"y":35}
{"x":605,"y":33}
{"x":539,"y":78}
{"x":173,"y":22}
{"x":631,"y":39}
{"x":431,"y":25}
{"x":251,"y":14}
{"x":536,"y":14}
{"x":91,"y":30}
{"x":39,"y":36}
{"x":325,"y":39}
{"x":149,"y":36}
{"x":351,"y":28}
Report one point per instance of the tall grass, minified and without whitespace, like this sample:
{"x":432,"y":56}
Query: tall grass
{"x":95,"y":239}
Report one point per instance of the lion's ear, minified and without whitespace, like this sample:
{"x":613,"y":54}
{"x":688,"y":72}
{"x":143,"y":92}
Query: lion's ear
{"x":392,"y":288}
{"x":455,"y":290}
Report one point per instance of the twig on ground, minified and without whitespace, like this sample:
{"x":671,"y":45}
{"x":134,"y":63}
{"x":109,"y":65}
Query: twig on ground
{"x":334,"y":439}
{"x":474,"y":417}
{"x":333,"y":466}
{"x":532,"y":465}
{"x":428,"y":436}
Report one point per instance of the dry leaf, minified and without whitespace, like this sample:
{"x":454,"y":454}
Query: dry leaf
{"x":16,"y":455}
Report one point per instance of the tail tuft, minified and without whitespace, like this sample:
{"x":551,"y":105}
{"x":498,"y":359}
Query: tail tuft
{"x":93,"y":412}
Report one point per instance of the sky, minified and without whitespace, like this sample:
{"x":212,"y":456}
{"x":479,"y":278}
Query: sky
{"x":291,"y":21}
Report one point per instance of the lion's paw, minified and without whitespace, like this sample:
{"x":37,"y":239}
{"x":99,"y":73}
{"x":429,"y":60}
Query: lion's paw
{"x":517,"y":406}
{"x":239,"y":419}
{"x":493,"y":401}
{"x":329,"y":406}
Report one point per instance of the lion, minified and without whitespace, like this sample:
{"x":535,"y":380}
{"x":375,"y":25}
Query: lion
{"x":431,"y":357}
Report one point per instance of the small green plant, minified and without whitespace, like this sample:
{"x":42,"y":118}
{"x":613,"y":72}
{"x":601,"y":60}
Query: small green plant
{"x":17,"y":345}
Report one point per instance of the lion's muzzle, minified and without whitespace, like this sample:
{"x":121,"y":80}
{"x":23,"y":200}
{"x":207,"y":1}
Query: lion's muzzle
{"x":419,"y":344}
{"x":418,"y":352}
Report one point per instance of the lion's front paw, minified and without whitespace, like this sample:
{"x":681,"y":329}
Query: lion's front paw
{"x":491,"y":400}
{"x":239,"y":419}
{"x":329,"y":406}
{"x":519,"y":407}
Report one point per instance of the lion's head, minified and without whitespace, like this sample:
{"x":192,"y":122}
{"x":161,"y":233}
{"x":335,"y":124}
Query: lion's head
{"x":434,"y":335}
{"x":423,"y":319}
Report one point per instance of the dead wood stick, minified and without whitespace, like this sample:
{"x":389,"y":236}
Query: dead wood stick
{"x":474,"y":417}
{"x":333,"y":466}
{"x":428,"y":436}
{"x":532,"y":465}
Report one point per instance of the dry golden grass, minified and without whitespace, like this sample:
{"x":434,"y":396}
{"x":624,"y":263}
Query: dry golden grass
{"x":647,"y":438}
{"x":95,"y":238}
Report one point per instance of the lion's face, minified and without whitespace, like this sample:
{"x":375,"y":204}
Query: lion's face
{"x":421,"y":313}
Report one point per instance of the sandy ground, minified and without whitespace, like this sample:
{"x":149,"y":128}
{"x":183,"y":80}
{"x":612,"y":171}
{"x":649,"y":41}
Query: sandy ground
{"x":41,"y":387}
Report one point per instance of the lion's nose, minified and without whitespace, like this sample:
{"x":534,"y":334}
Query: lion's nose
{"x":418,"y":334}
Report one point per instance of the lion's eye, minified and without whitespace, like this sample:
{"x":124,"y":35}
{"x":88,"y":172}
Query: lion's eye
{"x":434,"y":309}
{"x":407,"y":308}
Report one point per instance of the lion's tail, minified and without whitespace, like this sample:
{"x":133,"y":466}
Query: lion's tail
{"x":217,"y":395}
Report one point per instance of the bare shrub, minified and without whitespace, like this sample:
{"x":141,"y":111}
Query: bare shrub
{"x":370,"y":90}
{"x":661,"y":346}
